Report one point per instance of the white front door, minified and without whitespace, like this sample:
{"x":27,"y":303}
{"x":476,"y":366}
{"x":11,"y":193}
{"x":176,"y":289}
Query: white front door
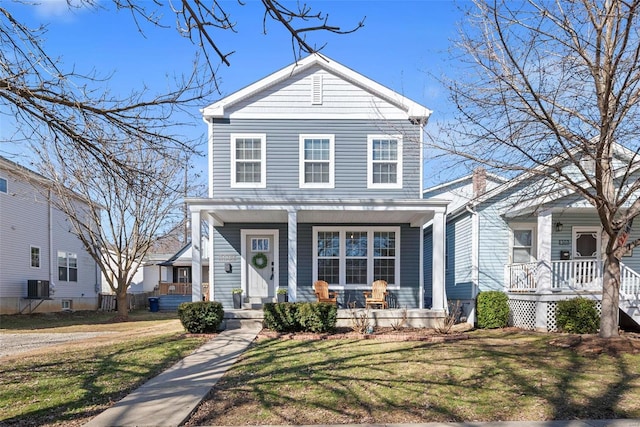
{"x":586,"y":256}
{"x":260,"y":266}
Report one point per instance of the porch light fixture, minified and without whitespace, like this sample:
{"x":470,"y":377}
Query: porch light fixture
{"x":558,"y":226}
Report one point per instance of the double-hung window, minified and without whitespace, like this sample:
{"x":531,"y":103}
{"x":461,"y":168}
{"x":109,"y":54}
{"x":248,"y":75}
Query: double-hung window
{"x":522,"y":247}
{"x":3,"y":185}
{"x":248,"y":160}
{"x":316,"y":161}
{"x":67,"y":266}
{"x":384,"y":161}
{"x":353,"y":257}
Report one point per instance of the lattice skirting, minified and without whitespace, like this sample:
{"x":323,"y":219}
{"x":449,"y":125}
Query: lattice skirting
{"x":524,"y":313}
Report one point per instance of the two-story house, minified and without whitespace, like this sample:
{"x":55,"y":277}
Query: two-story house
{"x":315,"y":173}
{"x":43,"y":266}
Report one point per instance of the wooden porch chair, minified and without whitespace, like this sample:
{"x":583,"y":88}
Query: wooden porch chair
{"x":377,"y":295}
{"x":321,"y":288}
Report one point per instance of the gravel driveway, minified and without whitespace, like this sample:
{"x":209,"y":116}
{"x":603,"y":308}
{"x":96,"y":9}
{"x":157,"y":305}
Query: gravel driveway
{"x":11,"y":344}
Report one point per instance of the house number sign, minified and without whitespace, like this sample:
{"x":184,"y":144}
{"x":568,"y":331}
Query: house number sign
{"x":564,"y":242}
{"x":227,"y":258}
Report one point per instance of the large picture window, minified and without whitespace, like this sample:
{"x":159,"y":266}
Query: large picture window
{"x":384,"y":168}
{"x":67,"y":266}
{"x":317,"y":161}
{"x":353,"y":257}
{"x":248,"y":165}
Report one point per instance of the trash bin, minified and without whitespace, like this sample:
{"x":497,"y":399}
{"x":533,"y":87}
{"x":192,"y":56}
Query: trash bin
{"x":154,"y":304}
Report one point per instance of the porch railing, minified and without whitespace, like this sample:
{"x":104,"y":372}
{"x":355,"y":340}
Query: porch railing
{"x":629,"y":282}
{"x":576,"y":275}
{"x":579,"y":275}
{"x":166,"y":288}
{"x":521,"y":277}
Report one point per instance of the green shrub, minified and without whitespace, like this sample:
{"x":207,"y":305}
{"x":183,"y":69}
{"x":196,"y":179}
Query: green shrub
{"x":201,"y":317}
{"x":317,"y":317}
{"x":577,"y":316}
{"x":493,"y":309}
{"x":300,"y":317}
{"x":281,"y":317}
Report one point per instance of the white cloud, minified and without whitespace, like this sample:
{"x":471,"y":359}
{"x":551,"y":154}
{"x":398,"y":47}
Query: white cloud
{"x":59,"y":8}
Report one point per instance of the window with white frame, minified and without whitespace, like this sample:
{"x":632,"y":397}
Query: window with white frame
{"x":384,"y":155}
{"x":248,"y":160}
{"x":522,"y":245}
{"x":35,"y":257}
{"x":67,"y":266}
{"x":356,"y":256}
{"x":317,"y":161}
{"x":3,"y":185}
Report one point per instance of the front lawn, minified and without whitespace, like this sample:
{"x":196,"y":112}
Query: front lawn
{"x":68,"y":384}
{"x":493,"y":375}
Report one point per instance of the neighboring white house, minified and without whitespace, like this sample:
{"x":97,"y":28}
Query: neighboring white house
{"x":43,"y":266}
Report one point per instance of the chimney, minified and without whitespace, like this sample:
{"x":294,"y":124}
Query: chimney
{"x":479,"y":181}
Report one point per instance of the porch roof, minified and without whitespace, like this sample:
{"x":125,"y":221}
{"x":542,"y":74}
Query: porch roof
{"x":415,"y":212}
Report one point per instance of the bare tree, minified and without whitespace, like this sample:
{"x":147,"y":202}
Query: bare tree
{"x":118,"y":218}
{"x":548,"y":84}
{"x":65,"y":107}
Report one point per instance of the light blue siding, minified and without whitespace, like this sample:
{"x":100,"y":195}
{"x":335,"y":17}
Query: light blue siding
{"x":458,"y":269}
{"x":283,"y":157}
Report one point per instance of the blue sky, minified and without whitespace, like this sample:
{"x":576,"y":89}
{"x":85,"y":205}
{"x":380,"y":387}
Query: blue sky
{"x":400,"y":46}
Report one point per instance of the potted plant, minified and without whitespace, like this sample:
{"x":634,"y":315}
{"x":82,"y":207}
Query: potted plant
{"x":236,"y":293}
{"x":282,"y":295}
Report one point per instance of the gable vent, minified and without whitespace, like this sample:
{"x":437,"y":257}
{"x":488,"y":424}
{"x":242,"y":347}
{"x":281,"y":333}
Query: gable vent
{"x":316,"y":89}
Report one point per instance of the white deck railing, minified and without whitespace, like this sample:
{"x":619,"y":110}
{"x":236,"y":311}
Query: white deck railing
{"x":521,"y":277}
{"x":571,"y":275}
{"x":629,"y":282}
{"x":577,"y":275}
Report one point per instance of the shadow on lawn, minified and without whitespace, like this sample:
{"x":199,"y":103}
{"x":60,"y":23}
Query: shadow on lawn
{"x":25,"y":322}
{"x":96,"y":374}
{"x":493,"y":376}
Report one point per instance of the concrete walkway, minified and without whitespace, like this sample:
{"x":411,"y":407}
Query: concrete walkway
{"x":171,"y":397}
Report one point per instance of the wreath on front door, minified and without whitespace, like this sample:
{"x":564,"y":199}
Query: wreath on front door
{"x":259,"y":260}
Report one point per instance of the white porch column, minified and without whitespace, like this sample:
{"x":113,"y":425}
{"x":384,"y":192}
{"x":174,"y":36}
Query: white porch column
{"x":439,"y":293}
{"x":543,"y":256}
{"x":196,"y":257}
{"x":292,"y":254}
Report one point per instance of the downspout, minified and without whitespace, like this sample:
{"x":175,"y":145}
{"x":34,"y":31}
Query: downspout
{"x":52,"y":259}
{"x":475,"y":264}
{"x":211,"y":275}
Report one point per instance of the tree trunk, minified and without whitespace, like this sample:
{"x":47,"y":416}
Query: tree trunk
{"x":123,"y":307}
{"x":610,"y":297}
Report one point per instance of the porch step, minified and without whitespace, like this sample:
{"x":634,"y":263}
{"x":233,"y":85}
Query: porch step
{"x":238,"y":319}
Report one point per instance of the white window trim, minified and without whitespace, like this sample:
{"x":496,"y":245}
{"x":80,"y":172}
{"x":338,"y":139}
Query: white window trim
{"x":343,"y":230}
{"x":68,"y":256}
{"x":534,"y":239}
{"x":31,"y":248}
{"x":331,"y":183}
{"x":6,"y":181}
{"x":370,"y":183}
{"x":263,"y":160}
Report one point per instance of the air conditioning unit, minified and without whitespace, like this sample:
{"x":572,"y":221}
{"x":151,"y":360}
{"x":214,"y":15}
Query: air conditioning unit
{"x":38,"y":289}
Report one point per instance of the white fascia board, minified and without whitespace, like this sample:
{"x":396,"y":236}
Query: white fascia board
{"x":197,"y":204}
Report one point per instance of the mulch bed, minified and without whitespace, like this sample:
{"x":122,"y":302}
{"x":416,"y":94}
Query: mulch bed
{"x":382,"y":334}
{"x":626,"y":343}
